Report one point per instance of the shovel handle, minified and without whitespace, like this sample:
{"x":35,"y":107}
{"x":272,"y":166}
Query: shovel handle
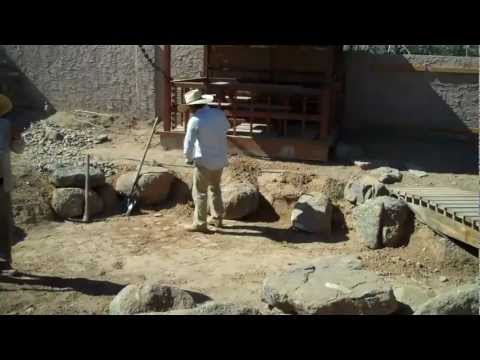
{"x":144,"y":156}
{"x":86,"y":213}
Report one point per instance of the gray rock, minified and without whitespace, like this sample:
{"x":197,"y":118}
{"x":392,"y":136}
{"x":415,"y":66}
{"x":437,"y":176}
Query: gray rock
{"x":53,"y":135}
{"x":413,"y":166}
{"x":70,"y":177}
{"x":153,"y":186}
{"x":359,"y":190}
{"x":212,"y":308}
{"x":418,"y":173}
{"x":368,"y":223}
{"x":460,"y":301}
{"x":70,"y":202}
{"x":240,"y":200}
{"x":111,"y":201}
{"x":364,"y":165}
{"x":102,"y":139}
{"x":150,"y":297}
{"x":383,"y":222}
{"x":442,"y":250}
{"x":348,"y":152}
{"x":313,"y":213}
{"x":397,"y":222}
{"x":411,"y":295}
{"x":331,"y":285}
{"x":387,"y":175}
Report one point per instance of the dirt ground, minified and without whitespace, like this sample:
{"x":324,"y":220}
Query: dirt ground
{"x":73,"y":268}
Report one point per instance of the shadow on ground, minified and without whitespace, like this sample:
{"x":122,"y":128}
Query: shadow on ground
{"x":282,"y":235}
{"x":82,"y":285}
{"x":18,"y":235}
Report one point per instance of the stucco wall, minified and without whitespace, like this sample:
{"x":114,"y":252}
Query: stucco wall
{"x":116,"y":78}
{"x":187,"y":61}
{"x":417,"y":100}
{"x":103,"y":78}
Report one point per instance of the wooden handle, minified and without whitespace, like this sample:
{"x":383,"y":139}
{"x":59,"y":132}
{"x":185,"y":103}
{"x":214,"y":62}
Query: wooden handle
{"x":86,"y":213}
{"x":144,"y":156}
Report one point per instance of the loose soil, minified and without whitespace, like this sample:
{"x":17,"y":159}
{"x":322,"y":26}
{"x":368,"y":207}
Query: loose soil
{"x":74,"y":268}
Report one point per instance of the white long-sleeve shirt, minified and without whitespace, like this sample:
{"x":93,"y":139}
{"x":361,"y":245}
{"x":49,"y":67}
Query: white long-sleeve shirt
{"x":206,"y":139}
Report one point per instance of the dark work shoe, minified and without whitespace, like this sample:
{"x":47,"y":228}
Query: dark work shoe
{"x":216,"y":222}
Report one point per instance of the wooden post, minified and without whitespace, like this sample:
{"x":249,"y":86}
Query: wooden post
{"x":206,"y":49}
{"x":86,"y":212}
{"x":163,"y":90}
{"x":325,"y":110}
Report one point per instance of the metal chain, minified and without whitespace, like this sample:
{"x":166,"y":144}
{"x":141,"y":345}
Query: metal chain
{"x":152,"y":62}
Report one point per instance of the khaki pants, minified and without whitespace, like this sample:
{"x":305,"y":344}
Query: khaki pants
{"x":6,"y":226}
{"x":207,"y":180}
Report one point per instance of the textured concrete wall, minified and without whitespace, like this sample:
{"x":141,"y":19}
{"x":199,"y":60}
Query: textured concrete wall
{"x":116,"y":78}
{"x":419,"y":100}
{"x":187,"y":61}
{"x":91,"y":77}
{"x":103,"y":78}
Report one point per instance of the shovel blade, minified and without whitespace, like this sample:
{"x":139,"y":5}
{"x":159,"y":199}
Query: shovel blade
{"x":130,"y":207}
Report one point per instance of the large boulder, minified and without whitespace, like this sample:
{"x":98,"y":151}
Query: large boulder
{"x":397,"y":222}
{"x":240,"y":199}
{"x":152,"y":188}
{"x":74,"y":177}
{"x":442,"y":250}
{"x":459,"y":301}
{"x":331,"y":285}
{"x":383,"y":222}
{"x":70,"y":202}
{"x":212,"y":308}
{"x":387,"y":175}
{"x":359,"y":190}
{"x":150,"y":297}
{"x":111,"y":201}
{"x":313,"y":214}
{"x":411,"y":296}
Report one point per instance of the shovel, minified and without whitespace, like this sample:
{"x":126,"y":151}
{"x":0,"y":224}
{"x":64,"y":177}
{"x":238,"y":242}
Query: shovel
{"x":131,"y":200}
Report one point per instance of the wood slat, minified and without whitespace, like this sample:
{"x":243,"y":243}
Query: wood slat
{"x":439,"y":193}
{"x":447,"y":226}
{"x":436,"y":190}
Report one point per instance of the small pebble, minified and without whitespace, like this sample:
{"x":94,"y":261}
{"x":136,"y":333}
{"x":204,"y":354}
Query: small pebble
{"x":443,"y":279}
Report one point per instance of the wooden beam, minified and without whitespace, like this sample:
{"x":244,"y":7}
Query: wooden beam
{"x":275,"y":115}
{"x":447,"y":226}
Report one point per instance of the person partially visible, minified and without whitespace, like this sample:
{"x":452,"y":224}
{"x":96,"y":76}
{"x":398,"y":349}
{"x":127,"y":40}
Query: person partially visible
{"x":10,"y":140}
{"x":205,"y":147}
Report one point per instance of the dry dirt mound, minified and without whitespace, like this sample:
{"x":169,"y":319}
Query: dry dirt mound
{"x":243,"y":170}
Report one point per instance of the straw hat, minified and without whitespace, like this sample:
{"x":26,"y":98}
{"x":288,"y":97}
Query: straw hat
{"x":5,"y":105}
{"x":195,"y":97}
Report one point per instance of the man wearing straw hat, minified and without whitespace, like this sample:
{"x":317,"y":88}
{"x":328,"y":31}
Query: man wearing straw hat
{"x":10,"y":140}
{"x":205,"y":146}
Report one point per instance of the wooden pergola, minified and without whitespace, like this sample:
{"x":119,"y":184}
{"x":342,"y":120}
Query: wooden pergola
{"x":282,"y":101}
